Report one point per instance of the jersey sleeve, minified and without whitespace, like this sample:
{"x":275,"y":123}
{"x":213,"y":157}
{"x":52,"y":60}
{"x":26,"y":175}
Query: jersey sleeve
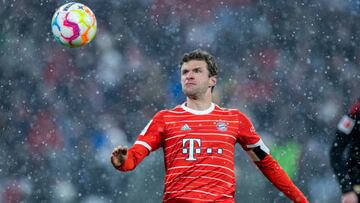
{"x":251,"y":142}
{"x":247,"y":136}
{"x":151,"y":136}
{"x":278,"y":177}
{"x":148,"y":140}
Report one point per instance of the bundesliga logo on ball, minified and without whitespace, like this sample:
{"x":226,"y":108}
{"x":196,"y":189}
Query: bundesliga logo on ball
{"x":73,"y":25}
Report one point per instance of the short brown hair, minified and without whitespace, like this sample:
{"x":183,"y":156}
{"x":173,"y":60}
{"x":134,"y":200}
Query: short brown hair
{"x":202,"y":55}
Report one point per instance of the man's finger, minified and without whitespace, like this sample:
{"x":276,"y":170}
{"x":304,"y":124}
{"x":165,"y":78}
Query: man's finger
{"x":115,"y":149}
{"x":123,"y":151}
{"x":115,"y":153}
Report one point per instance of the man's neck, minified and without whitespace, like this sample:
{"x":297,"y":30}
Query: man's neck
{"x":199,"y":105}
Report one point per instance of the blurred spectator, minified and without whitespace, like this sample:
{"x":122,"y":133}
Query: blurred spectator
{"x":44,"y":134}
{"x":345,"y":154}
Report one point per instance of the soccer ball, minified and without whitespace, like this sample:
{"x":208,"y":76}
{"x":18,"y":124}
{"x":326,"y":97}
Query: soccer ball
{"x":73,"y":25}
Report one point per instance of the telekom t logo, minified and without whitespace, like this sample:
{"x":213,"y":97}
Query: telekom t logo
{"x":191,"y":149}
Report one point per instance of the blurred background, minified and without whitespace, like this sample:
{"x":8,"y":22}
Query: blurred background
{"x":291,"y":66}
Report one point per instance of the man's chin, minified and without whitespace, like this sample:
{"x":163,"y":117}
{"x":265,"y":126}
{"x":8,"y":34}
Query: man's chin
{"x":190,"y":94}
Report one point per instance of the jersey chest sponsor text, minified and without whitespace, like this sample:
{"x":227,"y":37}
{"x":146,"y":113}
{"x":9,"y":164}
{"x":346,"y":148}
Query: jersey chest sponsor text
{"x":191,"y":140}
{"x":192,"y":146}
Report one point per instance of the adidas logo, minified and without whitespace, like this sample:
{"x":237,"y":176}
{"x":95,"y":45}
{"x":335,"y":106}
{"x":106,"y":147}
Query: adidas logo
{"x":185,"y":127}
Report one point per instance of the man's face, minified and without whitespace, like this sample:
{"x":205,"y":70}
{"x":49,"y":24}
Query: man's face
{"x":195,"y":80}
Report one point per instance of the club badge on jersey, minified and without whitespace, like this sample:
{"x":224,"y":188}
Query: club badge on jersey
{"x":346,"y":124}
{"x":221,"y":125}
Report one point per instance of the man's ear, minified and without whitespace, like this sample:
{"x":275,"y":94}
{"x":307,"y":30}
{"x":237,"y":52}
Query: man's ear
{"x":213,"y":81}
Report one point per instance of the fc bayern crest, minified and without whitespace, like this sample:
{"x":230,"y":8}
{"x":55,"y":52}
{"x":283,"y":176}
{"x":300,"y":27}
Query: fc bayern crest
{"x":221,"y":125}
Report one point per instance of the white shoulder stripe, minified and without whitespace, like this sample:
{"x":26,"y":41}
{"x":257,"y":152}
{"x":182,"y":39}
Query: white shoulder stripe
{"x":146,"y":128}
{"x":144,"y":144}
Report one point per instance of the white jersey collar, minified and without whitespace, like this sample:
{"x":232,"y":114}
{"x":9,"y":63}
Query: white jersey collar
{"x":198,"y":112}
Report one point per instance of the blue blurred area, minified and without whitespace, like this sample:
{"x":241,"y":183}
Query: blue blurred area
{"x":291,"y":66}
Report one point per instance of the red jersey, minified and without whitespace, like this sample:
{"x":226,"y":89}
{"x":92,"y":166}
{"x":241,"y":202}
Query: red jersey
{"x":198,"y":151}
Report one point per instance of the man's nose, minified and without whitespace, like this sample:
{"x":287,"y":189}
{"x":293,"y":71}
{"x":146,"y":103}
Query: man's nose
{"x":189,"y":75}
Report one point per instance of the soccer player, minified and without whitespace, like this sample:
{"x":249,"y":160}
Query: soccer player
{"x":198,"y":139}
{"x":347,"y":170}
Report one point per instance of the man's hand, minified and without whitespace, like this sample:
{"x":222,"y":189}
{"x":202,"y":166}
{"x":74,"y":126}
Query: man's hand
{"x":119,"y":155}
{"x":349,"y":197}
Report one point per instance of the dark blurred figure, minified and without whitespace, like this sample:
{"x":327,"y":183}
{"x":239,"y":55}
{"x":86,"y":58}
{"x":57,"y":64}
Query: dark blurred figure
{"x":345,"y":154}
